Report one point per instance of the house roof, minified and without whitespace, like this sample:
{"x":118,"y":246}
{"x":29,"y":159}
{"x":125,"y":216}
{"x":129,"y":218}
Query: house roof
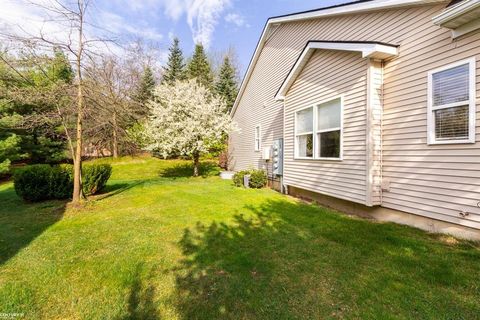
{"x":348,"y":8}
{"x":369,"y":49}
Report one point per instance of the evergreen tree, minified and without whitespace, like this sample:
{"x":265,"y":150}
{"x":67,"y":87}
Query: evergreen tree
{"x":36,"y":88}
{"x":175,"y":68}
{"x":199,"y":67}
{"x":226,"y":86}
{"x":145,"y":87}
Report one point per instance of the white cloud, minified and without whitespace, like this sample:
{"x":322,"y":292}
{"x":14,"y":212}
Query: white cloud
{"x":202,"y":17}
{"x":19,"y":17}
{"x":236,"y":19}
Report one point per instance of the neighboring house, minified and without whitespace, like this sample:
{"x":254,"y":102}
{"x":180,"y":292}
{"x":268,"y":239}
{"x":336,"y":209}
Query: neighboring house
{"x":376,"y":102}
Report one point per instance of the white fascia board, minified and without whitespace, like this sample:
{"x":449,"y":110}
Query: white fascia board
{"x":353,"y":8}
{"x":321,"y":13}
{"x":368,"y":50}
{"x":450,"y":14}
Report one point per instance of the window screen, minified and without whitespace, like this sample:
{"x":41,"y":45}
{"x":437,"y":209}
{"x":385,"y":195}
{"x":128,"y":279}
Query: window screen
{"x":329,"y":117}
{"x":451,"y":123}
{"x":305,"y":121}
{"x":304,"y":133}
{"x":451,"y":85}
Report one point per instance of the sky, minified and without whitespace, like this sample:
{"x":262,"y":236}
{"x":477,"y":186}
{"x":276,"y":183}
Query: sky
{"x":217,"y":24}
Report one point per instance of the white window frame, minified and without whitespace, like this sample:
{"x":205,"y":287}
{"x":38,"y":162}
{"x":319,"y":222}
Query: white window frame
{"x":431,"y":140}
{"x":315,"y":132}
{"x":258,"y":134}
{"x":304,"y":134}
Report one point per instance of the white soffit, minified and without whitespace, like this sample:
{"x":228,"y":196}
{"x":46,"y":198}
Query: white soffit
{"x":348,"y":8}
{"x":374,"y":50}
{"x":462,"y":17}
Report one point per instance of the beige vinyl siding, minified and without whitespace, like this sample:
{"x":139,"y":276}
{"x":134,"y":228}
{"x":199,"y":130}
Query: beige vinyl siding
{"x":436,"y":181}
{"x":326,"y":76}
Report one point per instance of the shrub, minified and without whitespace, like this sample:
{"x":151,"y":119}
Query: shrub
{"x":238,"y":177}
{"x":258,"y":179}
{"x":43,"y":182}
{"x":61,"y":182}
{"x":95,"y":177}
{"x":32,"y":183}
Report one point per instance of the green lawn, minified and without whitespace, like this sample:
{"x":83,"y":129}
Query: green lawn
{"x":161,"y":245}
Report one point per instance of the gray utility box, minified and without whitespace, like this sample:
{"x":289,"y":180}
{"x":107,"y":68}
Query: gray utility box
{"x":277,"y":157}
{"x":246,"y":181}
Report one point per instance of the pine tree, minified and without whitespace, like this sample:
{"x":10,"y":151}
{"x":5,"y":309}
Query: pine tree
{"x":175,"y":68}
{"x":226,"y":85}
{"x":146,"y":86}
{"x":199,"y":67}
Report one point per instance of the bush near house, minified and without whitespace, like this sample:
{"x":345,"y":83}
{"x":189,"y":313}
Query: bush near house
{"x":258,"y":178}
{"x":44,"y":182}
{"x":238,"y":177}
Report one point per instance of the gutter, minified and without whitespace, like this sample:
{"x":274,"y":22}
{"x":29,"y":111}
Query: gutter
{"x":456,"y":11}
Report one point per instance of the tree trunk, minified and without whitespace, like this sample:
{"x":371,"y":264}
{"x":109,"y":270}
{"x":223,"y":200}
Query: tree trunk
{"x":196,"y":162}
{"x":115,"y":138}
{"x":77,"y":164}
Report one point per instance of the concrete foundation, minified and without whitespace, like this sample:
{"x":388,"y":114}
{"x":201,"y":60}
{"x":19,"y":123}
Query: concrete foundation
{"x":385,"y":214}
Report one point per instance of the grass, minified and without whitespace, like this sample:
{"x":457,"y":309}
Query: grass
{"x":161,"y":245}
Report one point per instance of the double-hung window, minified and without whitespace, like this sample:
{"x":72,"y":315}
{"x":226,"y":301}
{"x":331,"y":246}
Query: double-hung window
{"x":318,"y":131}
{"x":257,"y":138}
{"x":304,"y":133}
{"x":451,"y":103}
{"x":329,"y":129}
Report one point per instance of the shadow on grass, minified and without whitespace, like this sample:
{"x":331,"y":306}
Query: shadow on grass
{"x":285,"y":260}
{"x":116,"y":189}
{"x":141,"y":304}
{"x":185,"y":170}
{"x":22,"y":222}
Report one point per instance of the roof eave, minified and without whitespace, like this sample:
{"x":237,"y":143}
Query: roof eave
{"x":448,"y":17}
{"x":372,"y":50}
{"x":347,"y":9}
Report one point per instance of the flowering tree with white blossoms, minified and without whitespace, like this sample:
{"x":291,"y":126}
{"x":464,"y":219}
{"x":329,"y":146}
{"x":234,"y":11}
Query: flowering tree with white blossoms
{"x":186,"y":119}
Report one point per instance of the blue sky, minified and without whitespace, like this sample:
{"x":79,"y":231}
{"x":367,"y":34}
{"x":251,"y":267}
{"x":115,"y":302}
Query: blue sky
{"x":219,"y":24}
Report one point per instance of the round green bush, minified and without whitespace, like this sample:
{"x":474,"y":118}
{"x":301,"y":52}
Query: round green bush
{"x":32,"y":183}
{"x":61,"y":182}
{"x":44,"y":182}
{"x":95,"y":177}
{"x":258,"y":179}
{"x":238,"y":177}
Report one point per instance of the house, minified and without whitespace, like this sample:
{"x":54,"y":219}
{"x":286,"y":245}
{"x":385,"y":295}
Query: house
{"x":375,"y":105}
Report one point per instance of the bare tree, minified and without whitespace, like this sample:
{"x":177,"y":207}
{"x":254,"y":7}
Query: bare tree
{"x":81,"y":46}
{"x":111,"y":83}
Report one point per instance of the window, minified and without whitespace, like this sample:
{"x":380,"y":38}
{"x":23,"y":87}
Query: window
{"x":451,"y":104}
{"x":304,"y":133}
{"x":329,"y":129}
{"x":257,"y":138}
{"x":318,"y":131}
